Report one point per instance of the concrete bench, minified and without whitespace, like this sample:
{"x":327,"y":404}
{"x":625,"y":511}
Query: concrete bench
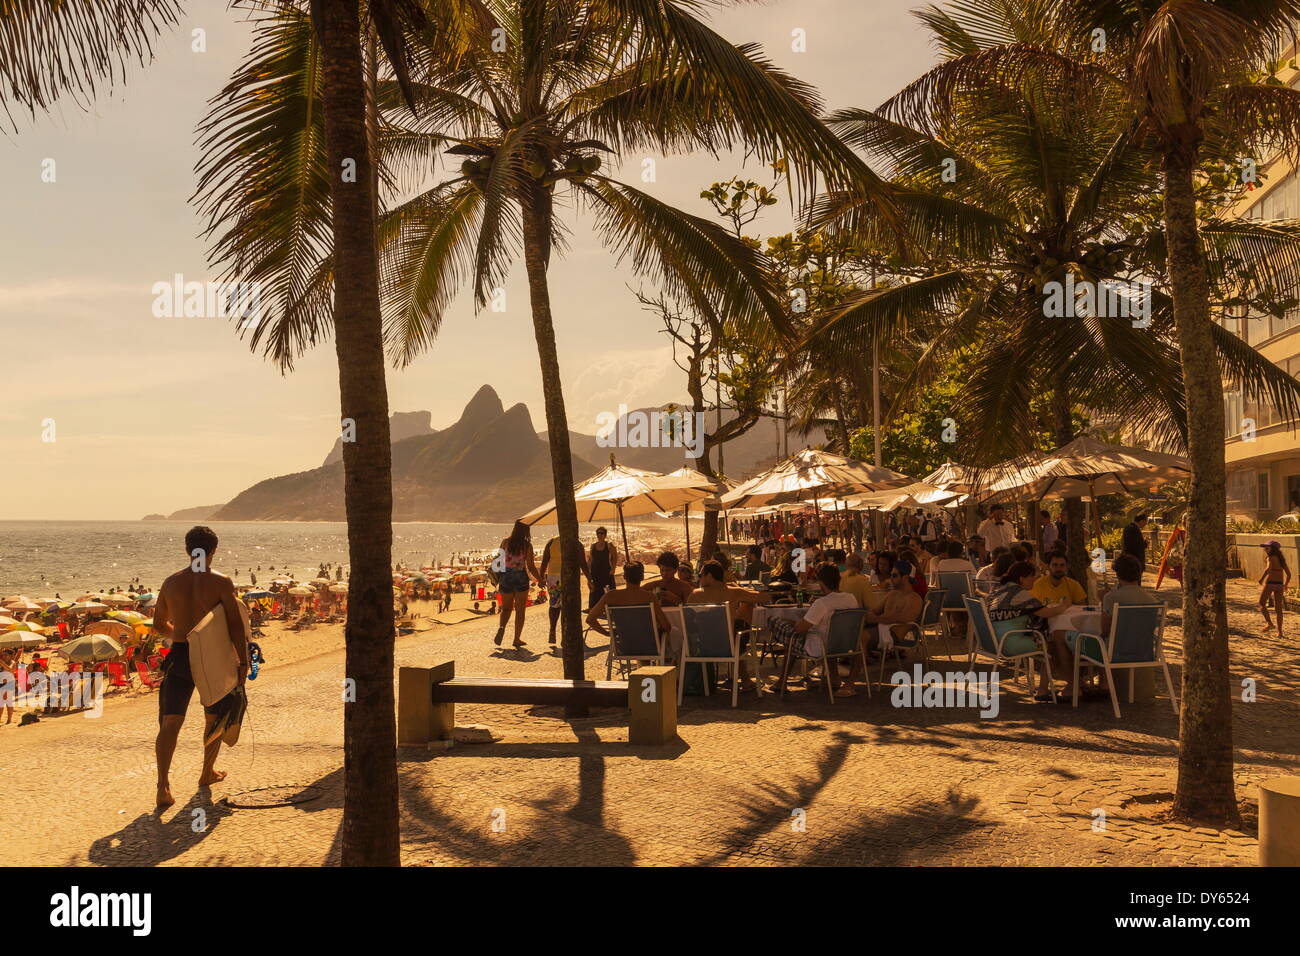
{"x":1279,"y":822}
{"x":427,"y":699}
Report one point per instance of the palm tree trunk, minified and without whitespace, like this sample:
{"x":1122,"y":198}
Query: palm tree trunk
{"x":537,"y":212}
{"x":370,"y":835}
{"x":1205,"y":785}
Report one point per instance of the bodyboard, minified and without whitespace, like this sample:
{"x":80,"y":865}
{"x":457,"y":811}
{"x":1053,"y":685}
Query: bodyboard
{"x":214,"y":664}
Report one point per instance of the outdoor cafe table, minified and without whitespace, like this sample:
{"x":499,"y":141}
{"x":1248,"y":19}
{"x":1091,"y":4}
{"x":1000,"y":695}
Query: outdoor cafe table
{"x":1083,"y":618}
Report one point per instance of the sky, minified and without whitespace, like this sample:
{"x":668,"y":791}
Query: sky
{"x":109,"y":412}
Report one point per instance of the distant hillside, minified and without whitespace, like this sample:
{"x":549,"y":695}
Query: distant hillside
{"x":740,"y":455}
{"x":489,"y":466}
{"x":201,"y":513}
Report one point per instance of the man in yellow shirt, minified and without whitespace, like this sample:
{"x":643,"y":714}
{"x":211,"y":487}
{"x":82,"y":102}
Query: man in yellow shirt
{"x":1055,"y":585}
{"x":854,"y":582}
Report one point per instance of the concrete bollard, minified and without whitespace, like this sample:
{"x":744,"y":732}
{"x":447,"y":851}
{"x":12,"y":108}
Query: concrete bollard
{"x":652,"y":701}
{"x":419,"y":720}
{"x":1279,"y":822}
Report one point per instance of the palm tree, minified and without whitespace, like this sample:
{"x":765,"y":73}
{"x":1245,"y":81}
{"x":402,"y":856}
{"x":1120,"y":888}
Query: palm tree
{"x":1171,"y":86}
{"x":529,"y":95}
{"x":1195,"y":73}
{"x":48,"y":50}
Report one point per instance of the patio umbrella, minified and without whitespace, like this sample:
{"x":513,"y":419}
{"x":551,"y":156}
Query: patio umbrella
{"x":118,"y":599}
{"x":22,"y":604}
{"x":1088,"y":467}
{"x":12,"y":639}
{"x":28,"y":626}
{"x":301,"y":592}
{"x":339,"y":588}
{"x":6,"y":622}
{"x":813,"y":474}
{"x":703,"y":481}
{"x":258,"y":594}
{"x":91,"y":647}
{"x":128,"y":617}
{"x":88,"y":606}
{"x":620,"y":491}
{"x":114,"y":629}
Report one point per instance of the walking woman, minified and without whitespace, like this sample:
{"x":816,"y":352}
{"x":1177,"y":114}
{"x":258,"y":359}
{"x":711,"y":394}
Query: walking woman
{"x":604,"y":559}
{"x":515,"y":568}
{"x":1274,"y":582}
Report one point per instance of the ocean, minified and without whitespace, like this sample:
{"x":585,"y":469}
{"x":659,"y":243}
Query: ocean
{"x":40,"y":558}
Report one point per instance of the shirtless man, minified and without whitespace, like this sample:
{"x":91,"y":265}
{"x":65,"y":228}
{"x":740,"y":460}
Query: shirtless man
{"x":183,"y":600}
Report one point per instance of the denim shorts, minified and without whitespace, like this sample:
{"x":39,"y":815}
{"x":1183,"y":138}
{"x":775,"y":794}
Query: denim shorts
{"x":513,"y":581}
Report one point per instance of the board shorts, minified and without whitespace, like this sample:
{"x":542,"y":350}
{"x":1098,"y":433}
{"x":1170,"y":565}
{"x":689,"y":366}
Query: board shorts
{"x":178,"y":684}
{"x":553,"y":590}
{"x":513,"y":581}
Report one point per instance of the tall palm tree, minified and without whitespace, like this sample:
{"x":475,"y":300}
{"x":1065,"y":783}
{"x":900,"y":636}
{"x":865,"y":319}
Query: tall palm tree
{"x":1174,"y":83}
{"x":52,"y":49}
{"x":528,"y":95}
{"x":1195,"y":73}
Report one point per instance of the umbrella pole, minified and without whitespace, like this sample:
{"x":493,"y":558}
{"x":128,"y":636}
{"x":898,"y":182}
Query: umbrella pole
{"x":687,"y":520}
{"x":623,"y":528}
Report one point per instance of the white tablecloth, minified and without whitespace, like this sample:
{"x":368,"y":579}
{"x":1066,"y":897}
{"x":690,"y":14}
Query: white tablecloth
{"x":1078,"y":618}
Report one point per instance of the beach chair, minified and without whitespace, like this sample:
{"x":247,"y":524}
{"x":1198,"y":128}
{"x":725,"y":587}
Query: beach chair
{"x":1010,"y":645}
{"x":710,"y":638}
{"x":634,"y":637}
{"x":148,"y":679}
{"x":914,"y":638}
{"x":1136,"y":640}
{"x":116,"y":671}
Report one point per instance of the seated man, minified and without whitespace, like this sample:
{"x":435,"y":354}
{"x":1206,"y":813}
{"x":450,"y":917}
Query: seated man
{"x":632,"y":594}
{"x":1128,"y":573}
{"x":1055,"y":585}
{"x":810,"y":632}
{"x":671,"y":588}
{"x":902,"y":606}
{"x":755,"y":567}
{"x":854,"y":582}
{"x":954,"y":559}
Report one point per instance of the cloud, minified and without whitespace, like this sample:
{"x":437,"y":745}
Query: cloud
{"x":632,"y":377}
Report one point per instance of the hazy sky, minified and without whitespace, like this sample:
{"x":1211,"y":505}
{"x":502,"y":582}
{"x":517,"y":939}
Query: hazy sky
{"x":154,"y":414}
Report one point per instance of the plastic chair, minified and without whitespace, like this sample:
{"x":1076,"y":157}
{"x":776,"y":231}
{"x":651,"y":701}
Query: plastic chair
{"x":914,"y":639}
{"x":1010,"y":645}
{"x":146,"y":678}
{"x":1136,"y":640}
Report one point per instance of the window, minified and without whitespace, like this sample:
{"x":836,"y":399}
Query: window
{"x":1262,"y":494}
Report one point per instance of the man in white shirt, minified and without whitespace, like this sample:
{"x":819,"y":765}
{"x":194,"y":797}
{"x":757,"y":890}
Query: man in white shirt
{"x":816,"y":622}
{"x":996,"y":530}
{"x":953,"y":560}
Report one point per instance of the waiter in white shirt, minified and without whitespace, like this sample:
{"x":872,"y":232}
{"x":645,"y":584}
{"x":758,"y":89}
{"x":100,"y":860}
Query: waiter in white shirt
{"x":996,"y":530}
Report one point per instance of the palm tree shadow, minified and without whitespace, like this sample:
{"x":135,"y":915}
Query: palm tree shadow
{"x":148,"y":840}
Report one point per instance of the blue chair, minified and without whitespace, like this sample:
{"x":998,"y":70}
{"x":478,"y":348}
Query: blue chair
{"x":710,"y":638}
{"x":634,"y":637}
{"x":1136,"y":639}
{"x":1007,"y":644}
{"x":931,"y":616}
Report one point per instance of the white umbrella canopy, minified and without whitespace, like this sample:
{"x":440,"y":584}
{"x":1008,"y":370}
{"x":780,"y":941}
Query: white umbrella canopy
{"x":12,"y":639}
{"x":620,"y":490}
{"x":813,"y":474}
{"x":1087,"y":467}
{"x":919,"y":494}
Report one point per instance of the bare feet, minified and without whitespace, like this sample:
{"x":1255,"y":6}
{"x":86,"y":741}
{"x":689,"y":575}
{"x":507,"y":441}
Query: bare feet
{"x":165,"y":798}
{"x":208,"y":780}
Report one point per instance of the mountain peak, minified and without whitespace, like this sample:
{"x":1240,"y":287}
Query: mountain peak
{"x":485,"y":404}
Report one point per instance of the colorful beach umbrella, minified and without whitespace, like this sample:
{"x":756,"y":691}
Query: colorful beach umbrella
{"x":26,"y":626}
